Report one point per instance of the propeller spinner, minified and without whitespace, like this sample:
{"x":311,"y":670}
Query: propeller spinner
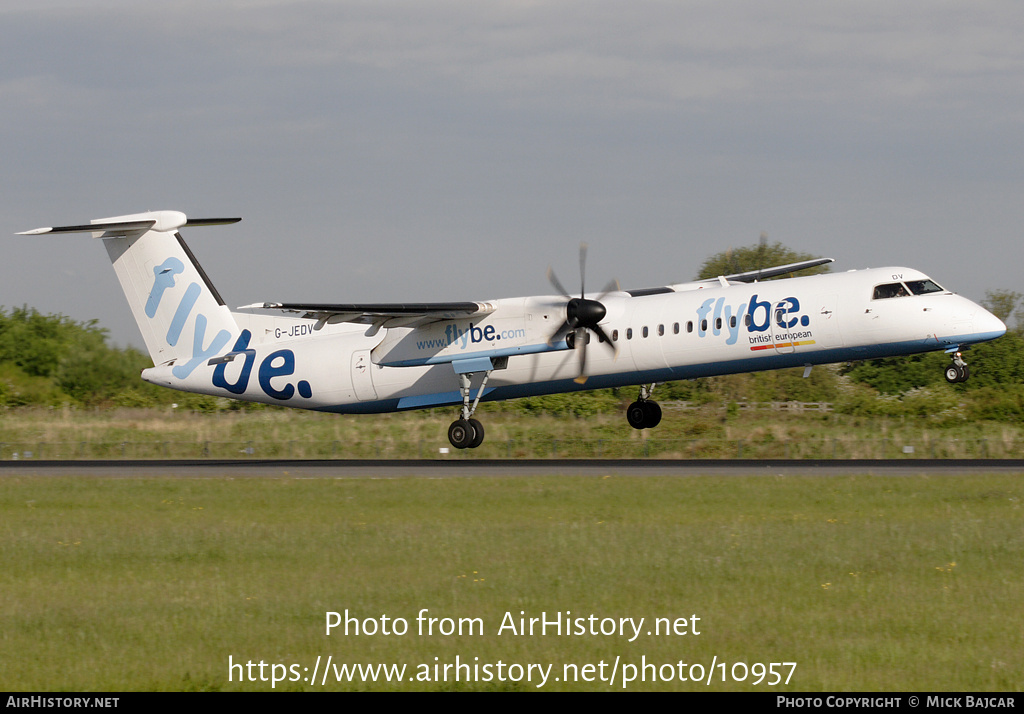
{"x":581,"y":314}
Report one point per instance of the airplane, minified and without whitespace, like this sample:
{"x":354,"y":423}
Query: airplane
{"x":376,"y":358}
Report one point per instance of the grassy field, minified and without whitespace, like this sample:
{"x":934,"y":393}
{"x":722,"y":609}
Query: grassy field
{"x":709,"y":432}
{"x":867,"y":583}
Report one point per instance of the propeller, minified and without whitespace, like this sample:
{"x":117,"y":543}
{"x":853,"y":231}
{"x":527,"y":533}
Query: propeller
{"x":581,"y":314}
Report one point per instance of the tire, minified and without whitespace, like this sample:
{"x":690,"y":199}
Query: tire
{"x":636,"y":415}
{"x":478,"y":434}
{"x":953,"y":374}
{"x":652,"y":414}
{"x":461,"y":434}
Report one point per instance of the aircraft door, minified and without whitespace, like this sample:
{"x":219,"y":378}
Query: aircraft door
{"x":784,"y":343}
{"x":824,"y":323}
{"x":362,"y":379}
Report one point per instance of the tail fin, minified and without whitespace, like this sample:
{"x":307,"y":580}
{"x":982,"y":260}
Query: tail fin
{"x":181,"y":315}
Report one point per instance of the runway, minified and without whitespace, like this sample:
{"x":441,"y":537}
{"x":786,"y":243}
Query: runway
{"x":481,"y":468}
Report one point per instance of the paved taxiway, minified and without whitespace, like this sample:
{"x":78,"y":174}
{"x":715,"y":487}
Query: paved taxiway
{"x":485,"y":468}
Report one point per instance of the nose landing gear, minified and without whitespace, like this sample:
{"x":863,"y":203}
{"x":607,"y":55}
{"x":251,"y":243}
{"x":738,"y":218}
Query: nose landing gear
{"x":957,"y":372}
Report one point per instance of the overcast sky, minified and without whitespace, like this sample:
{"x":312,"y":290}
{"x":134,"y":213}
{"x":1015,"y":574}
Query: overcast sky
{"x":453,"y":150}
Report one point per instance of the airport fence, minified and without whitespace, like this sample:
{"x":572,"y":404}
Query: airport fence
{"x":537,"y":448}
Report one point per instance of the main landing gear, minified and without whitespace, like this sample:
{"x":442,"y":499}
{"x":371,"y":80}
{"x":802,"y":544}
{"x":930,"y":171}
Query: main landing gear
{"x":644,"y":413}
{"x":957,"y":372}
{"x":467,"y":432}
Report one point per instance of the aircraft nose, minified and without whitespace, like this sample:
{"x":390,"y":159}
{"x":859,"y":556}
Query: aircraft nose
{"x":988,"y":324}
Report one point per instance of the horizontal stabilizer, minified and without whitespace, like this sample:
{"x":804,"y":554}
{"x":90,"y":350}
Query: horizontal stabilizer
{"x":92,"y":228}
{"x":210,"y":221}
{"x":163,"y":221}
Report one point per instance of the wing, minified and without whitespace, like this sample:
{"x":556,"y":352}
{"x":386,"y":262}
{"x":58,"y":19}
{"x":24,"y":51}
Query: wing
{"x":751,"y":276}
{"x":379,"y":315}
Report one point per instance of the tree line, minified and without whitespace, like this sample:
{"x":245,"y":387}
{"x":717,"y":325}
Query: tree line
{"x":52,"y":360}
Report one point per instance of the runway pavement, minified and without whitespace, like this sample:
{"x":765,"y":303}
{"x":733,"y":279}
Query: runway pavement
{"x":478,"y":468}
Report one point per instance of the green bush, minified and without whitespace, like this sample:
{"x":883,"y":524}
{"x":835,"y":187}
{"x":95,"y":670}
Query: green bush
{"x":1004,"y":403}
{"x":18,"y":389}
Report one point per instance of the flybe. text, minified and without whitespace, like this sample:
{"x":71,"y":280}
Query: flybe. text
{"x":714,"y":316}
{"x":273,"y":369}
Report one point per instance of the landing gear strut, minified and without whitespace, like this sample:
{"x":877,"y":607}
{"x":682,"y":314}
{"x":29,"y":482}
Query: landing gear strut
{"x":644,"y":413}
{"x":957,"y":372}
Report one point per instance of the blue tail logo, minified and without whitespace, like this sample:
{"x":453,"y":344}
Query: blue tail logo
{"x":163,"y":279}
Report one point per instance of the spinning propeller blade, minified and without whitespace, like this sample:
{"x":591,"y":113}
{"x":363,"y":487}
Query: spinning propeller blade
{"x":581,"y":314}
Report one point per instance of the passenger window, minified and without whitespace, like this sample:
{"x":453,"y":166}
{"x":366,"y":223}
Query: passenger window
{"x":661,"y":330}
{"x":689,"y":326}
{"x":889,"y":290}
{"x":732,"y":321}
{"x":675,"y":328}
{"x":747,"y":320}
{"x":629,"y":333}
{"x":645,"y":330}
{"x":615,"y":335}
{"x":703,"y":325}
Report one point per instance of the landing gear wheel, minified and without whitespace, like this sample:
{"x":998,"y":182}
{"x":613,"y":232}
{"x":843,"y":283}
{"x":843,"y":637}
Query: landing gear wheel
{"x":653,"y":414}
{"x":636,"y":415}
{"x":478,"y":434}
{"x":956,"y":373}
{"x":461,"y":434}
{"x":643,"y":414}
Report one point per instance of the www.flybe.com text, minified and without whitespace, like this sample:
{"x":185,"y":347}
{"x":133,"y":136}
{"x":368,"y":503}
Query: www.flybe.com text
{"x":471,"y":335}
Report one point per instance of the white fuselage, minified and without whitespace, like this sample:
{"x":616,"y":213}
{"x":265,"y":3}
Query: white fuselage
{"x":679,"y":332}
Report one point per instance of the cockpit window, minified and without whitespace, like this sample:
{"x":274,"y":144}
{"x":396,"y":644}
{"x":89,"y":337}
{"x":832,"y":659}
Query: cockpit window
{"x":923,"y":287}
{"x":889,"y":290}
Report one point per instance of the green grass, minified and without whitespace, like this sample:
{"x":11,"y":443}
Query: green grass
{"x":868,"y":583}
{"x":709,"y":432}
